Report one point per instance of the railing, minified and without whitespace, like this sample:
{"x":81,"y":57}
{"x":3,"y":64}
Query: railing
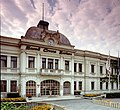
{"x":31,"y":70}
{"x":107,"y":103}
{"x":51,"y":72}
{"x":9,"y":70}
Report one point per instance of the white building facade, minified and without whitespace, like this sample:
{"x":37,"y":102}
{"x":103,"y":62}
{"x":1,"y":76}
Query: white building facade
{"x":43,"y":62}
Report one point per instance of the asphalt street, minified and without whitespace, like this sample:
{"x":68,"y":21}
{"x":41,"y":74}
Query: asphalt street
{"x":81,"y":104}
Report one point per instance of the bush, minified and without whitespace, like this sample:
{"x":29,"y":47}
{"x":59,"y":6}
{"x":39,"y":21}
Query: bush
{"x":13,"y":99}
{"x":91,"y":95}
{"x":112,"y":95}
{"x":43,"y":107}
{"x":12,"y":106}
{"x":13,"y":95}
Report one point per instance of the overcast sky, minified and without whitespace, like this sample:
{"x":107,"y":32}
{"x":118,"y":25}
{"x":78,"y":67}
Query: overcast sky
{"x":92,"y":25}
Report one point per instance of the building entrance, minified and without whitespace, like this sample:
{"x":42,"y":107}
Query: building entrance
{"x":66,"y":88}
{"x":50,"y":87}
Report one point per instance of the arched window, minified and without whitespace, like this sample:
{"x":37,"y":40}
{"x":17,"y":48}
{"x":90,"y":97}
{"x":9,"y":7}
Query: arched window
{"x":50,"y":87}
{"x":66,"y":88}
{"x":31,"y":88}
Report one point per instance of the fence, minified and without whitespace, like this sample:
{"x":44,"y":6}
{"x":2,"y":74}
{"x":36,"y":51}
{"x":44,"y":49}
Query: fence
{"x":107,"y":103}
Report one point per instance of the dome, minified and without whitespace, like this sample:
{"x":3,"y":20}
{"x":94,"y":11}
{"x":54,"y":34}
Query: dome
{"x":39,"y":33}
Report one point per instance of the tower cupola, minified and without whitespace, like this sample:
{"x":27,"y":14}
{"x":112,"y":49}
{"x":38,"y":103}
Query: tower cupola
{"x":43,"y":25}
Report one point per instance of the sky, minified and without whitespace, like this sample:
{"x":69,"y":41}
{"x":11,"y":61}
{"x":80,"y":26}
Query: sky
{"x":92,"y":25}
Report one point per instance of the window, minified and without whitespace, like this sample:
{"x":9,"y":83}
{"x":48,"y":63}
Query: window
{"x":31,"y":62}
{"x":31,"y":88}
{"x":112,"y":85}
{"x":3,"y":86}
{"x":66,"y":65}
{"x":80,"y":67}
{"x":92,"y":85}
{"x":75,"y":67}
{"x":13,"y":86}
{"x":106,"y":85}
{"x":43,"y":63}
{"x":50,"y":63}
{"x":56,"y":64}
{"x":74,"y":85}
{"x":3,"y":60}
{"x":80,"y":85}
{"x":112,"y":71}
{"x":100,"y":85}
{"x":101,"y":69}
{"x":13,"y":62}
{"x":92,"y":68}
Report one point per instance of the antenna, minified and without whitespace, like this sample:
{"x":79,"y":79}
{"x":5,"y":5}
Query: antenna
{"x":43,"y":12}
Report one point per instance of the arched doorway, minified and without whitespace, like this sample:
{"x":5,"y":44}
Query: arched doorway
{"x":66,"y":88}
{"x":31,"y":87}
{"x":48,"y":86}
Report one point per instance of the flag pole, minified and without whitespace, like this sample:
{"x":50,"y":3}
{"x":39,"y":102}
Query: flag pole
{"x":109,"y":70}
{"x":118,"y":71}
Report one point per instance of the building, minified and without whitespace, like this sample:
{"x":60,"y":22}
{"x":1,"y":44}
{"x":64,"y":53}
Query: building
{"x":43,"y":62}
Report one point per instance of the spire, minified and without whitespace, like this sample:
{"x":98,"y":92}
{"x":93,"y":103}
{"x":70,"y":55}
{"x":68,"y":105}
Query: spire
{"x":43,"y":12}
{"x":43,"y":24}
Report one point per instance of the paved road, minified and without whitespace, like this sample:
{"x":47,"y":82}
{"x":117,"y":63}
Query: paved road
{"x":81,"y":104}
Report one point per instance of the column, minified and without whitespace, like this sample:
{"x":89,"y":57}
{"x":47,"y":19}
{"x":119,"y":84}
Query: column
{"x":104,"y":85}
{"x":23,"y":61}
{"x":38,"y":89}
{"x":38,"y":63}
{"x":115,"y":86}
{"x":23,"y":88}
{"x":77,"y":84}
{"x":87,"y":84}
{"x":46,"y":62}
{"x":77,"y":67}
{"x":61,"y":63}
{"x":61,"y":87}
{"x":8,"y":85}
{"x":59,"y":66}
{"x":72,"y":86}
{"x":8,"y":63}
{"x":72,"y":65}
{"x":53,"y":63}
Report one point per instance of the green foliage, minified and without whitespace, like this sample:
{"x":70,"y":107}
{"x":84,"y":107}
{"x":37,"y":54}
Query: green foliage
{"x":20,"y":99}
{"x":12,"y":106}
{"x":7,"y":106}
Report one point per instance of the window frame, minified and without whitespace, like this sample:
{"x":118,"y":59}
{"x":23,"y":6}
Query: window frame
{"x":43,"y":63}
{"x":75,"y":67}
{"x":56,"y":64}
{"x":3,"y":62}
{"x":50,"y":63}
{"x":67,"y":65}
{"x":12,"y":89}
{"x":80,"y":67}
{"x":13,"y":62}
{"x":101,"y":69}
{"x":92,"y":85}
{"x":92,"y":68}
{"x":31,"y":62}
{"x":80,"y":85}
{"x":3,"y":89}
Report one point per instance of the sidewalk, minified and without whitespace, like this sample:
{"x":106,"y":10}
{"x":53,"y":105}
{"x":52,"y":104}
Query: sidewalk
{"x":52,"y":98}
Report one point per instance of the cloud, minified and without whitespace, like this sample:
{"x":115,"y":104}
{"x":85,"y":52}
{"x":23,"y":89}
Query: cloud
{"x":89,"y":24}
